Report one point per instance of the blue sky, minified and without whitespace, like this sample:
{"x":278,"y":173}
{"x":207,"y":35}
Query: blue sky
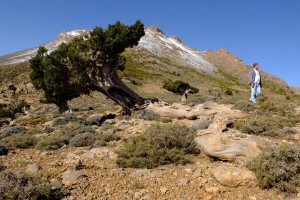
{"x":264,"y":31}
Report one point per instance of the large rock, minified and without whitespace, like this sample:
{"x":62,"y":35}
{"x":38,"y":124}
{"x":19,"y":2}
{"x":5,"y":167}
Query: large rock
{"x":211,"y":140}
{"x":33,"y":169}
{"x":69,"y":177}
{"x":234,"y":176}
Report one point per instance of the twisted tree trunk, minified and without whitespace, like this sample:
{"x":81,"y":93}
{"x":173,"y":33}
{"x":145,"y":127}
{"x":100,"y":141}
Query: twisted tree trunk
{"x":109,"y":83}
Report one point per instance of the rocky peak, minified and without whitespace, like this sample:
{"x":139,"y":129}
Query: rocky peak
{"x":64,"y":37}
{"x":154,"y":29}
{"x":172,"y":48}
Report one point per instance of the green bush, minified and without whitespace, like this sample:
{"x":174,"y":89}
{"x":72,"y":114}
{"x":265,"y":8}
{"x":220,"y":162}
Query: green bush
{"x":265,"y":125}
{"x":258,"y":125}
{"x":179,"y":87}
{"x":83,"y":139}
{"x":228,"y":92}
{"x":52,"y":142}
{"x":12,"y":110}
{"x":6,"y":113}
{"x":22,"y":140}
{"x":159,"y":145}
{"x":243,"y":105}
{"x":20,"y":186}
{"x":106,"y":138}
{"x":278,"y":168}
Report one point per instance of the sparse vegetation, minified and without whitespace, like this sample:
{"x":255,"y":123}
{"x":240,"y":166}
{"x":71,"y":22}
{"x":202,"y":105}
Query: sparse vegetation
{"x":13,"y":110}
{"x":52,"y":142}
{"x":278,"y":167}
{"x":159,"y":145}
{"x":20,"y":186}
{"x":22,"y":140}
{"x":265,"y":125}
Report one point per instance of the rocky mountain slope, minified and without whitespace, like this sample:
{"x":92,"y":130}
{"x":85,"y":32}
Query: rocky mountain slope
{"x":25,"y":55}
{"x":76,"y":153}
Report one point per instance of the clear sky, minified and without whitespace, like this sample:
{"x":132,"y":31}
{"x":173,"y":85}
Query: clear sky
{"x":264,"y":31}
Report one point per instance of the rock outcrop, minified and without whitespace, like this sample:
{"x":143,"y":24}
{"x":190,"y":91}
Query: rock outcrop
{"x":212,"y":140}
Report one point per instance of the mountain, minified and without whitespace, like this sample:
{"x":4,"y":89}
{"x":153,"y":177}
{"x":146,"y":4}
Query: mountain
{"x":24,"y":55}
{"x":154,"y":40}
{"x":233,"y":65}
{"x":219,"y":64}
{"x":172,"y":48}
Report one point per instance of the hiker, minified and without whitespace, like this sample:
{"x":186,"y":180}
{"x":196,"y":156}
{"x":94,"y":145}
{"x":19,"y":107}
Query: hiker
{"x":255,"y":83}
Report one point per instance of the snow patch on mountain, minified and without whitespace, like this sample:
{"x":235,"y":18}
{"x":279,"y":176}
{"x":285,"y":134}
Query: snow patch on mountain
{"x":173,"y":49}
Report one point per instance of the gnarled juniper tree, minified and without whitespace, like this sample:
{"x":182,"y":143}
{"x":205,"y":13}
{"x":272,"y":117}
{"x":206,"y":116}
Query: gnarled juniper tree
{"x":88,"y":63}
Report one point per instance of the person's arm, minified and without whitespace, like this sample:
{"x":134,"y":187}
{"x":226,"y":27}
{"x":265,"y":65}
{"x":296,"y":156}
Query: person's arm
{"x":252,"y":77}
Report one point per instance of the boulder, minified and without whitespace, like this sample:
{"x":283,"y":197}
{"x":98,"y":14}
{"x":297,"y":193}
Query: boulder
{"x":211,"y":141}
{"x":234,"y":176}
{"x":32,"y":170}
{"x":69,"y":177}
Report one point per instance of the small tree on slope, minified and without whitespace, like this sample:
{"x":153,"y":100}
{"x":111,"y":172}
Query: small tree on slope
{"x":88,"y":63}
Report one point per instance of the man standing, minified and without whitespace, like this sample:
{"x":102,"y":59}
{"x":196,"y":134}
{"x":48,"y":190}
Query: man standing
{"x":255,"y":83}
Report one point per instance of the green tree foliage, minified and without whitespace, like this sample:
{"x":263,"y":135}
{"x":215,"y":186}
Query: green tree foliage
{"x":87,"y":63}
{"x":179,"y":87}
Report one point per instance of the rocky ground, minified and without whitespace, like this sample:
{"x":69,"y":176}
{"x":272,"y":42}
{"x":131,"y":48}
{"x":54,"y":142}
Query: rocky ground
{"x":92,"y":173}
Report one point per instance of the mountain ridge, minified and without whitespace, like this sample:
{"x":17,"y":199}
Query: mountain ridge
{"x":170,"y":47}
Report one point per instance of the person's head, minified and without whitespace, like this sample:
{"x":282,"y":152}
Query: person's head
{"x":255,"y":65}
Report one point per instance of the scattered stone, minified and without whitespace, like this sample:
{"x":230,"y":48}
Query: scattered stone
{"x":56,"y":185}
{"x":296,"y":137}
{"x":184,"y":180}
{"x":252,"y":197}
{"x":137,"y":195}
{"x":212,"y":189}
{"x":147,"y":197}
{"x":140,"y":173}
{"x":234,"y":176}
{"x":164,"y":190}
{"x":205,"y":180}
{"x":3,"y":150}
{"x":69,"y":177}
{"x":188,"y":170}
{"x":32,"y":170}
{"x":97,"y":119}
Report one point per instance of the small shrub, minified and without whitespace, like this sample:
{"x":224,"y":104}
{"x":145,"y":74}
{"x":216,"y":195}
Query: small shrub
{"x":228,"y":92}
{"x":179,"y":87}
{"x":6,"y":113}
{"x":278,"y":168}
{"x":83,"y":139}
{"x":22,"y":104}
{"x":23,"y":140}
{"x":107,"y":137}
{"x":21,"y":186}
{"x":12,"y":110}
{"x":266,"y":125}
{"x":159,"y":145}
{"x":52,"y":142}
{"x":243,"y":105}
